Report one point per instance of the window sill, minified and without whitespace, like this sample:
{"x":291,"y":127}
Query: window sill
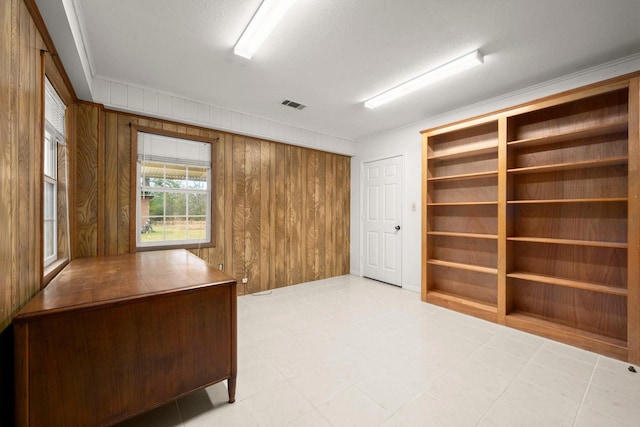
{"x":180,"y":246}
{"x":53,"y":269}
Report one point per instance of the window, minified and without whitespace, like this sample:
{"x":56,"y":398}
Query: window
{"x":173,"y":194}
{"x":54,"y":136}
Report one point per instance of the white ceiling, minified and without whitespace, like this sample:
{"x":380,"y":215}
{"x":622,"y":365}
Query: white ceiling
{"x":332,"y":55}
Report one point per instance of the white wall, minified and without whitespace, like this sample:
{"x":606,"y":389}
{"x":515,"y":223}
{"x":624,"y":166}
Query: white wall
{"x":406,"y":141}
{"x":154,"y":103}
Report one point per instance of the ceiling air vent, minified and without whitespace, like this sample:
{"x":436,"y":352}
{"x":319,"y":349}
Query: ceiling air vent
{"x":293,"y":104}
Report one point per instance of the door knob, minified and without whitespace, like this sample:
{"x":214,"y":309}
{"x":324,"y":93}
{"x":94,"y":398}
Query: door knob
{"x":397,"y":227}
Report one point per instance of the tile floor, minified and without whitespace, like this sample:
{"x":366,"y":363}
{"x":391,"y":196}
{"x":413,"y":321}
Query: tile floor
{"x":348,"y":351}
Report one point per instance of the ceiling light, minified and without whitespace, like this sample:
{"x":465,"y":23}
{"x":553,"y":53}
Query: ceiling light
{"x":263,"y":22}
{"x":439,"y":73}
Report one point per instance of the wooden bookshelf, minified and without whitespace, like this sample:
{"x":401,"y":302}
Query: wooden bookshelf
{"x":461,"y":183}
{"x":597,"y":130}
{"x":530,"y":217}
{"x":577,"y":284}
{"x":600,"y":199}
{"x":573,"y":336}
{"x":598,"y":163}
{"x":489,"y":203}
{"x":458,"y":177}
{"x":462,"y":304}
{"x":474,"y":235}
{"x":463,"y":266}
{"x":571,"y":242}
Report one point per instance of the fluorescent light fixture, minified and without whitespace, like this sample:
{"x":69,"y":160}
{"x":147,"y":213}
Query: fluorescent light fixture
{"x":263,"y":22}
{"x":443,"y":71}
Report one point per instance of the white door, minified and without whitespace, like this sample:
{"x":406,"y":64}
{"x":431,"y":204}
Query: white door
{"x":382,"y":214}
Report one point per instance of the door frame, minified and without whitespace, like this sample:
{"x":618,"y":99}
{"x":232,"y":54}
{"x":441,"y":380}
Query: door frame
{"x":402,"y":156}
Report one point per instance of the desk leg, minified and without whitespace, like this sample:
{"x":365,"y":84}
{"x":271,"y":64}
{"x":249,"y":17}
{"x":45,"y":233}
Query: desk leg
{"x":231,"y":385}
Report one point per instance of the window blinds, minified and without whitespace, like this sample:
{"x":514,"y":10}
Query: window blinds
{"x":165,"y":149}
{"x":54,"y":109}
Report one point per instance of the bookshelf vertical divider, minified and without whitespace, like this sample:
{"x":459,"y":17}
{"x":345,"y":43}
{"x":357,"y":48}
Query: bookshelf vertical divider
{"x":531,"y":217}
{"x":633,"y":296}
{"x":503,"y":225}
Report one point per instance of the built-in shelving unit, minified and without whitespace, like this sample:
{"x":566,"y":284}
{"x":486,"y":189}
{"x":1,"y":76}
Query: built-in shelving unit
{"x":462,"y":205}
{"x":531,"y":217}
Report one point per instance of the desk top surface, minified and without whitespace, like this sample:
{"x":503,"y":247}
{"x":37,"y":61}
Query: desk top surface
{"x":88,"y":282}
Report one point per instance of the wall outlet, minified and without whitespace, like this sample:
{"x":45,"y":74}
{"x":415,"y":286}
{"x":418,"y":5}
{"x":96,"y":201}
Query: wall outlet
{"x":245,"y":281}
{"x":221,"y":266}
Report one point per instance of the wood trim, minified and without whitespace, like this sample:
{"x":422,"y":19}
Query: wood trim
{"x":90,"y":103}
{"x":164,"y":122}
{"x":214,"y":217}
{"x":40,"y":137}
{"x":565,"y":334}
{"x":633,"y":225}
{"x":57,"y":80}
{"x":71,"y":161}
{"x":52,"y":270}
{"x":569,"y":96}
{"x":463,"y":124}
{"x":172,"y":134}
{"x":463,"y":305}
{"x":190,"y":246}
{"x":133,"y":218}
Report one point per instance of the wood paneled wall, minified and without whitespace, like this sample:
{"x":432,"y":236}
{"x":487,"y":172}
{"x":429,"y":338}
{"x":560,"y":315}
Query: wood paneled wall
{"x":21,"y":68}
{"x":85,"y":240}
{"x":24,"y":60}
{"x":281,"y":212}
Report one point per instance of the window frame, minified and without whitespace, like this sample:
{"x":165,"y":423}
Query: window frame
{"x":135,"y":220}
{"x":51,"y":174}
{"x":50,"y":211}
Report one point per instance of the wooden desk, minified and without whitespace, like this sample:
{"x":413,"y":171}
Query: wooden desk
{"x":112,"y":337}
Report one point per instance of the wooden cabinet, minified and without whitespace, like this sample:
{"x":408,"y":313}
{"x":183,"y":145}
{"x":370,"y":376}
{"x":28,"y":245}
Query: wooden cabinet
{"x":111,"y":337}
{"x":531,"y":217}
